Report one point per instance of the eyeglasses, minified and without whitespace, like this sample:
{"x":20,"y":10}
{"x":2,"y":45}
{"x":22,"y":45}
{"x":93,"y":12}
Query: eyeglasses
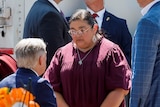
{"x":79,"y":32}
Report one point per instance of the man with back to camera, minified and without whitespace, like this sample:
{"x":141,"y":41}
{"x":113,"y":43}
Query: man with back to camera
{"x":31,"y":57}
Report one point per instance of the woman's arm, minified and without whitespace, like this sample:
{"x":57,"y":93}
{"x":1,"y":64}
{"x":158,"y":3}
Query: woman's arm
{"x":115,"y":98}
{"x":60,"y":100}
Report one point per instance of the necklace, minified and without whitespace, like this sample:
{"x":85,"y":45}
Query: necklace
{"x":80,"y":62}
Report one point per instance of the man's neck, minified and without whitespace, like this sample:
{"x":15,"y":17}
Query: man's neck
{"x":57,"y":1}
{"x":142,"y":5}
{"x":96,"y":6}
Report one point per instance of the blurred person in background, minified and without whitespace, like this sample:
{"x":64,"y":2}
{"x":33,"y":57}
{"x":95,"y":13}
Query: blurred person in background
{"x":45,"y":20}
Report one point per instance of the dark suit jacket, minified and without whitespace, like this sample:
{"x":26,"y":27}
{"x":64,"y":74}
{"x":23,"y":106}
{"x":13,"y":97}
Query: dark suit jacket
{"x":117,"y":31}
{"x":45,"y":21}
{"x":39,"y":87}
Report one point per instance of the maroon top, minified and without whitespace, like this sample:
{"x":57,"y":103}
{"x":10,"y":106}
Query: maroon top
{"x":87,"y":85}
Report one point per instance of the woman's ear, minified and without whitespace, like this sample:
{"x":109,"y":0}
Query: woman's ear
{"x":95,"y":27}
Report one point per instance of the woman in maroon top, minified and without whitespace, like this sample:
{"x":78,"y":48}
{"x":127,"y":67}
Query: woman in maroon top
{"x":91,"y":71}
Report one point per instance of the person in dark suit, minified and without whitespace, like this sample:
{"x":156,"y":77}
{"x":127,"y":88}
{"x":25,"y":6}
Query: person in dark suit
{"x":145,"y":91}
{"x":45,"y":20}
{"x":31,"y":61}
{"x":115,"y":28}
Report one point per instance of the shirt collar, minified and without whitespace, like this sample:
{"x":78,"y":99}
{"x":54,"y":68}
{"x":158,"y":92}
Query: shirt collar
{"x":100,"y":13}
{"x":55,"y":4}
{"x":35,"y":72}
{"x":146,"y":8}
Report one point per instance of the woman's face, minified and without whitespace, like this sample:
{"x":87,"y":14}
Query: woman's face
{"x":82,"y":34}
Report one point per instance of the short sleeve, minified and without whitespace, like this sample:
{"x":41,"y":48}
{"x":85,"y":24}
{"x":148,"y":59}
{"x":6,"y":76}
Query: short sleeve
{"x":52,"y":73}
{"x":118,"y":73}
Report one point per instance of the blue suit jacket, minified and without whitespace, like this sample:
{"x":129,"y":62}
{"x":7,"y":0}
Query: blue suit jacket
{"x":117,"y":31}
{"x":39,"y":87}
{"x":45,"y":21}
{"x":145,"y":90}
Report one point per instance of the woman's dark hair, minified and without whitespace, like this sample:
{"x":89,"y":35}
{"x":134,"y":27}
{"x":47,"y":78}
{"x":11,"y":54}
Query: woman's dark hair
{"x":85,"y":15}
{"x":82,"y":14}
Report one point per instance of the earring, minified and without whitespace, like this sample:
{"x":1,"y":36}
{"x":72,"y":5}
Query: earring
{"x":94,"y":39}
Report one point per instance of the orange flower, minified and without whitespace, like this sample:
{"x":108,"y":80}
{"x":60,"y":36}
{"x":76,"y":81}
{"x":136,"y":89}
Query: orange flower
{"x":16,"y":95}
{"x":3,"y":91}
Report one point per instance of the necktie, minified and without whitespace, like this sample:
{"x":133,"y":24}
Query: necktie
{"x":62,"y":13}
{"x":94,"y":15}
{"x":63,"y":16}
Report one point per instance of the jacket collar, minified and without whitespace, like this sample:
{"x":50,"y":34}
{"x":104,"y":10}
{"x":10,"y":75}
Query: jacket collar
{"x":147,"y":8}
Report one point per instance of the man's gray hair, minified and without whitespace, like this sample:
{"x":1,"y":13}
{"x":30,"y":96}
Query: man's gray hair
{"x":28,"y":51}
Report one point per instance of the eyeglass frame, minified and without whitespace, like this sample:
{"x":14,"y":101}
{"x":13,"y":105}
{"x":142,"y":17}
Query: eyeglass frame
{"x":79,"y":32}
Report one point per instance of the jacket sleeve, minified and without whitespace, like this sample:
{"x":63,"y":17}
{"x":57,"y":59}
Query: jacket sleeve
{"x":44,"y":94}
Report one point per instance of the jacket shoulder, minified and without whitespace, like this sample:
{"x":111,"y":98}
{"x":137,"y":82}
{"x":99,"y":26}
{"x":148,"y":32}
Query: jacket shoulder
{"x":114,"y":17}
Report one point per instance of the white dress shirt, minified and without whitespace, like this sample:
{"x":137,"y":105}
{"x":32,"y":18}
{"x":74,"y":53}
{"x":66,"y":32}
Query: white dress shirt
{"x":146,"y":8}
{"x":100,"y":14}
{"x":55,"y":5}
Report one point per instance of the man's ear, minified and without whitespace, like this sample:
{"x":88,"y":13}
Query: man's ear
{"x":40,"y":60}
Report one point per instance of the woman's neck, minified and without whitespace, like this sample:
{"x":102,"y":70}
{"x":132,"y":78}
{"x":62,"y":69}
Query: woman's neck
{"x":86,"y":49}
{"x":98,"y":37}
